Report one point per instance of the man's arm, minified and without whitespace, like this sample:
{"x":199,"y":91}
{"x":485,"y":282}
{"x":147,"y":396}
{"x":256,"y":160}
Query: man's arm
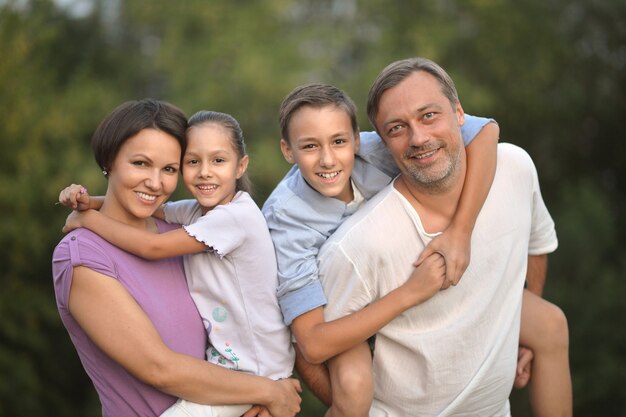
{"x":536,"y":274}
{"x":139,"y":242}
{"x":315,"y":376}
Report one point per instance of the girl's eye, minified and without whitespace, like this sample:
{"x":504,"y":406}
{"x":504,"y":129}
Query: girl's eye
{"x":219,"y":160}
{"x":192,"y":161}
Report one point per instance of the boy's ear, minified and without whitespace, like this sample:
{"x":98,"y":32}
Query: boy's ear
{"x":285,"y":148}
{"x":357,"y":141}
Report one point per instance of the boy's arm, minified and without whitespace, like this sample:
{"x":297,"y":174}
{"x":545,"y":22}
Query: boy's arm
{"x":138,"y":242}
{"x":319,"y":340}
{"x":454,"y":242}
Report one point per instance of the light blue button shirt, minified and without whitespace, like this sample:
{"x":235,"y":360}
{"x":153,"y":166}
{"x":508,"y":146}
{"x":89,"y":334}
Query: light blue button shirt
{"x":300,"y":219}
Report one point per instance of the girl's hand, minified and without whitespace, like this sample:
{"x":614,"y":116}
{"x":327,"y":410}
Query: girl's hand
{"x":73,"y":221}
{"x":286,"y":401}
{"x":75,"y":197}
{"x":454,"y":246}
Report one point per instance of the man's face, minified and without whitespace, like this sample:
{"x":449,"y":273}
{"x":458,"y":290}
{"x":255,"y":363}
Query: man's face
{"x":323,"y":144}
{"x":421,"y":129}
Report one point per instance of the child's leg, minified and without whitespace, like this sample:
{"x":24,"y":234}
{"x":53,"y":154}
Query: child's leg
{"x":351,"y":382}
{"x":544,"y":331}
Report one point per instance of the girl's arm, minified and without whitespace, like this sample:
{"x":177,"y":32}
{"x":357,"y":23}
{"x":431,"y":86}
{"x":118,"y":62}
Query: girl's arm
{"x":319,"y":340}
{"x":142,"y":243}
{"x":454,"y":242}
{"x":118,"y":326}
{"x":76,"y":197}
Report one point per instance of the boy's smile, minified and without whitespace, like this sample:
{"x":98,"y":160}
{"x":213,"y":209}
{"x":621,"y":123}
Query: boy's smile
{"x":322,"y":144}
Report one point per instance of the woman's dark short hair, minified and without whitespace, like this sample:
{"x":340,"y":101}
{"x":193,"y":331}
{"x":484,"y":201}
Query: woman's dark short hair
{"x":131,"y":117}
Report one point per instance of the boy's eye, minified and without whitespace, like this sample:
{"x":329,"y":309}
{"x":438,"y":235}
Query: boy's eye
{"x":340,"y":141}
{"x":308,"y":146}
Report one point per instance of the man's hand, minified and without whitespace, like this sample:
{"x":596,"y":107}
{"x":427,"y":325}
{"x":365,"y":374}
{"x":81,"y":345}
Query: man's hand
{"x":454,"y":246}
{"x":523,"y":371}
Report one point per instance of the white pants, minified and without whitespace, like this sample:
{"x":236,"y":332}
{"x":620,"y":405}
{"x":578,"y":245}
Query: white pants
{"x":183,"y":408}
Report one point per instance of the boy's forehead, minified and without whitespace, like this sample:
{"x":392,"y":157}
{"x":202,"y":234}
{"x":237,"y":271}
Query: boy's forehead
{"x":320,"y":118}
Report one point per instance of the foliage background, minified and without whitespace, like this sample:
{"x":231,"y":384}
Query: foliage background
{"x":552,"y":72}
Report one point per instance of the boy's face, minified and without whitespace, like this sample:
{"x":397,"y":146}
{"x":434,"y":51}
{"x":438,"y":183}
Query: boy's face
{"x":322,"y":144}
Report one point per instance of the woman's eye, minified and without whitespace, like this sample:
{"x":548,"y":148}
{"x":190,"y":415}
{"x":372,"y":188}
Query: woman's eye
{"x":171,"y":170}
{"x":139,"y":163}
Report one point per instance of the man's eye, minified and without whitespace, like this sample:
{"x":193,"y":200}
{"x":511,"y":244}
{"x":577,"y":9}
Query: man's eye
{"x":429,"y":115}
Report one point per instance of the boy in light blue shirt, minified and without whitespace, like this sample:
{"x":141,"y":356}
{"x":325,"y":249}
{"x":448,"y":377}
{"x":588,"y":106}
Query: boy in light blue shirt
{"x":336,"y":170}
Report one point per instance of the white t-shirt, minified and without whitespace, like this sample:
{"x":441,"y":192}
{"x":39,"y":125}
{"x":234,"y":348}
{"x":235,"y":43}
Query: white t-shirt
{"x":456,"y":353}
{"x":234,"y":286}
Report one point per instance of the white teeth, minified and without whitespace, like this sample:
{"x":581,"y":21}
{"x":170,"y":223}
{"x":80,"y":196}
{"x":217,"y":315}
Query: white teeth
{"x":424,"y":155}
{"x":328,"y":175}
{"x":207,"y":187}
{"x":145,"y":196}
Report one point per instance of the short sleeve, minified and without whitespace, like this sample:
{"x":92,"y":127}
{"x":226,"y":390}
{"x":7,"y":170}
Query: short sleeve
{"x":77,"y":249}
{"x":180,"y":212}
{"x":471,"y":127}
{"x":219,"y":229}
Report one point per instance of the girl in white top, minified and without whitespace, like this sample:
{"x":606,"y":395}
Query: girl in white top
{"x":229,"y":257}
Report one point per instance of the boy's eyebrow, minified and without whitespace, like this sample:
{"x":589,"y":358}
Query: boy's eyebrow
{"x":334,"y":135}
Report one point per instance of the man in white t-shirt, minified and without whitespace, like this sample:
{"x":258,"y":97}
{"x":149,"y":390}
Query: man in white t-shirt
{"x":456,"y":353}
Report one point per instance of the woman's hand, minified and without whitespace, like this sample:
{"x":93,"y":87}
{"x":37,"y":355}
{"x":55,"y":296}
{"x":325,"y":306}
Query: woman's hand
{"x":286,"y":400}
{"x":454,"y":246}
{"x":75,"y":197}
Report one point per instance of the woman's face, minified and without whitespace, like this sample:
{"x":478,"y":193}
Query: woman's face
{"x":143,"y":175}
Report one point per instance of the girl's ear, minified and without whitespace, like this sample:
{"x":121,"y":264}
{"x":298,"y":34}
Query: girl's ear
{"x":243,"y":165}
{"x":285,"y":148}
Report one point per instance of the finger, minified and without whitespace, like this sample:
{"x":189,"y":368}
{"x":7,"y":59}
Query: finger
{"x":425,"y":254}
{"x":253,"y":411}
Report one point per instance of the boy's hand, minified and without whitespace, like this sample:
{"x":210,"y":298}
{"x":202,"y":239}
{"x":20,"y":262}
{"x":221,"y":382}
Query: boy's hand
{"x":75,"y":197}
{"x":455,"y":248}
{"x":427,"y":279}
{"x":73,"y":221}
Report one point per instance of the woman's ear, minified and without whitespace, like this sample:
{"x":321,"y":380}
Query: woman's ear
{"x":285,"y":148}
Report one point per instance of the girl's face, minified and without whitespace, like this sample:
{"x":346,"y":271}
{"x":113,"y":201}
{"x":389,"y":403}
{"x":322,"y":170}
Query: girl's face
{"x":211,"y":165}
{"x":143,"y":175}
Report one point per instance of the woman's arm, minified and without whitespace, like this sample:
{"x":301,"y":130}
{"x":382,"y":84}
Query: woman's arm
{"x":319,"y":340}
{"x":454,"y":242}
{"x":138,"y":242}
{"x":118,"y":326}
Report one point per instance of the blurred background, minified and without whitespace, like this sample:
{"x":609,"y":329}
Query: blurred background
{"x":551,"y":72}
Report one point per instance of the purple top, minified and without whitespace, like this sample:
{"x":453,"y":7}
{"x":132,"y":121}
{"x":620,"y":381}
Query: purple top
{"x":159,"y":287}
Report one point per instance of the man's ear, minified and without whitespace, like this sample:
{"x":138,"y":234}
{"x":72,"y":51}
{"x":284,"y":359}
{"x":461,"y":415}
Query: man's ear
{"x":357,"y":141}
{"x":460,"y":114}
{"x":285,"y":148}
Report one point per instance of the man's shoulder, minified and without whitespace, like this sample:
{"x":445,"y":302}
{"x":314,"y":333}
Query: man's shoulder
{"x":513,"y":156}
